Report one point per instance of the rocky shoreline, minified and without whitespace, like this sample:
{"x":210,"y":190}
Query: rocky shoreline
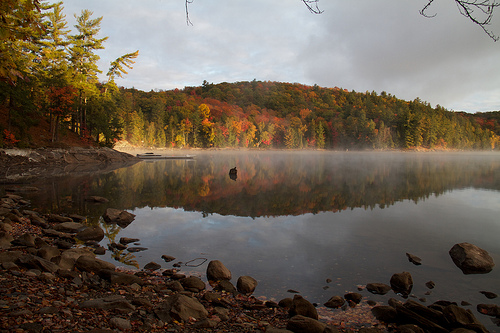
{"x":21,"y":165}
{"x":52,"y":281}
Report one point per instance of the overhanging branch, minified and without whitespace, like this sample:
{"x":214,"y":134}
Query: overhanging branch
{"x":478,"y":11}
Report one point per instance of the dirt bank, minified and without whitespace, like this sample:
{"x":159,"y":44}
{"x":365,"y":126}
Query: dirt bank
{"x":20,"y":165}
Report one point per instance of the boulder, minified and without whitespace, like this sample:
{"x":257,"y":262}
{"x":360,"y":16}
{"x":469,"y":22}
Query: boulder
{"x":217,"y":271}
{"x":304,"y":324}
{"x":286,"y":303}
{"x":226,"y":285}
{"x":303,"y":307}
{"x":385,"y":313}
{"x":24,"y":240}
{"x":184,"y":307}
{"x":38,"y":221}
{"x":48,"y":252}
{"x":10,"y":256}
{"x":378,"y":288}
{"x":91,"y":264}
{"x":471,"y":259}
{"x":489,"y":309}
{"x":246,"y":284}
{"x":335,"y":302}
{"x":402,"y":283}
{"x":354,"y":297}
{"x":120,"y":217}
{"x":193,"y":283}
{"x":91,"y":234}
{"x":152,"y":266}
{"x":69,"y":227}
{"x":33,"y":262}
{"x":460,"y":317}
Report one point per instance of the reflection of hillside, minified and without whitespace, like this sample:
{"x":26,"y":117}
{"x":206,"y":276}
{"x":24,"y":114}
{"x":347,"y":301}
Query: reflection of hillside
{"x":275,"y":183}
{"x":271,"y":184}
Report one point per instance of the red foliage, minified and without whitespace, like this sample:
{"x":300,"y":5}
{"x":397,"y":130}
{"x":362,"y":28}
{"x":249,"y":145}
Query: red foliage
{"x":9,"y":138}
{"x":61,"y":99}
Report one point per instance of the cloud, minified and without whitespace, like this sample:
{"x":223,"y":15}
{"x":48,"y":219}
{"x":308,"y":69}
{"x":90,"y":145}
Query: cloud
{"x":367,"y":45}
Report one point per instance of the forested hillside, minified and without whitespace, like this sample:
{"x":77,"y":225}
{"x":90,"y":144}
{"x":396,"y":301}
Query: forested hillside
{"x":49,"y":75}
{"x":272,"y":114}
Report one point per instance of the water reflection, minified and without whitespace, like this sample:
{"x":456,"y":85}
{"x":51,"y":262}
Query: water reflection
{"x":277,"y":183}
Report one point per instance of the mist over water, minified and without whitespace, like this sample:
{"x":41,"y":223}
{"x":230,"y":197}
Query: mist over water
{"x":292,"y":220}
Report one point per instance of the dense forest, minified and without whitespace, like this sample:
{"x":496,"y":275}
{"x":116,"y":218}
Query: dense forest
{"x":48,"y":74}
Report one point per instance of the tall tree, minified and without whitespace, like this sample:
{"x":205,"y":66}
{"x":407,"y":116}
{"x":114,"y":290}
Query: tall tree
{"x":84,"y":62}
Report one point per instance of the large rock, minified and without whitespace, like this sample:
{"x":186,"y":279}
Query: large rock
{"x":48,"y":252}
{"x":184,"y":307}
{"x":304,"y":324}
{"x":378,"y":288}
{"x":303,"y":307}
{"x":120,"y":217}
{"x":91,"y":234}
{"x":471,"y":259}
{"x":402,"y":283}
{"x":335,"y":302}
{"x":246,"y":284}
{"x":109,"y":303}
{"x":24,"y":240}
{"x":69,"y":227}
{"x":460,"y":317}
{"x":91,"y":264}
{"x":385,"y":313}
{"x":217,"y":271}
{"x":193,"y":283}
{"x":33,"y":262}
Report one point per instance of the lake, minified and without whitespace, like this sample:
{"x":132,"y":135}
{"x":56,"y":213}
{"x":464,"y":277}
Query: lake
{"x":293,"y":220}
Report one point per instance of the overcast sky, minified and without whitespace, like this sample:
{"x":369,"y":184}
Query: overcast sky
{"x":363,"y":45}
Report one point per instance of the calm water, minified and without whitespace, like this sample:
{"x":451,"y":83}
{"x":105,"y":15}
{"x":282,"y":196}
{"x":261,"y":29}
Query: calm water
{"x":292,"y":220}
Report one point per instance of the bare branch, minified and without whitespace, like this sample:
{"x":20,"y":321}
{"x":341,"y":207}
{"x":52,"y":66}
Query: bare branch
{"x":423,"y":11}
{"x":312,"y":5}
{"x":188,"y":21}
{"x":478,"y":11}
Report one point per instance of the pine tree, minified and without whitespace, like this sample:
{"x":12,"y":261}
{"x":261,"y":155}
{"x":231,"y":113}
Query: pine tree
{"x":84,"y":62}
